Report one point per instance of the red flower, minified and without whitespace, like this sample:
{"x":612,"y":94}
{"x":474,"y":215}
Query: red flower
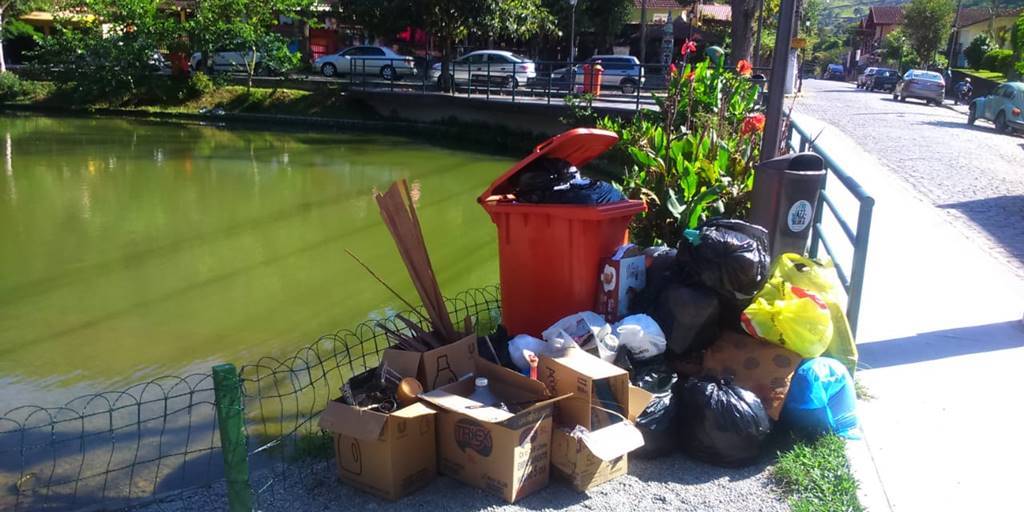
{"x":754,"y":123}
{"x":689,"y":46}
{"x":744,"y":68}
{"x":672,"y":69}
{"x":689,"y":76}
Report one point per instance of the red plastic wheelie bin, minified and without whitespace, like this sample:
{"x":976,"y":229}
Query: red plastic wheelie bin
{"x":549,"y":254}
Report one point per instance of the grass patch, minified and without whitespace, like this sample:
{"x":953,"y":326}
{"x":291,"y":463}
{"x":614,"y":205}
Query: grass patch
{"x":863,"y":392}
{"x":984,"y":74}
{"x":817,"y":477}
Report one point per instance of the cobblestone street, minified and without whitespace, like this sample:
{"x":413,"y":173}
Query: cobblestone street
{"x":972,"y":173}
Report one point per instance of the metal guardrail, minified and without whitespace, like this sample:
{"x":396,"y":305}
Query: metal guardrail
{"x":852,"y":279}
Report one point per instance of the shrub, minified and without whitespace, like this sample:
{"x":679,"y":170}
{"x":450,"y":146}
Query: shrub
{"x":1000,"y":61}
{"x":199,"y":85}
{"x":13,"y":87}
{"x":976,"y":51}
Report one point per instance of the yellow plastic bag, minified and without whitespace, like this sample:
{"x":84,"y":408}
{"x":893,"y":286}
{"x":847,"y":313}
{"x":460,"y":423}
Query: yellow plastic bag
{"x":820,"y":278}
{"x":799,"y":321}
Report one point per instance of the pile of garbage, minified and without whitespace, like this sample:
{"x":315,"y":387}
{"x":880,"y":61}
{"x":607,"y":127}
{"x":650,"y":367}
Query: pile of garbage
{"x":703,"y":349}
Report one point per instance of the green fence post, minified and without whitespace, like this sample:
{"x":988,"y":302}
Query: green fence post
{"x":228,"y":396}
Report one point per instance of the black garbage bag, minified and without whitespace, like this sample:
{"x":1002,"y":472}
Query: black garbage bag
{"x":689,"y":317}
{"x":556,"y":181}
{"x":728,"y":256}
{"x":662,"y":271}
{"x":720,"y":423}
{"x":657,"y":422}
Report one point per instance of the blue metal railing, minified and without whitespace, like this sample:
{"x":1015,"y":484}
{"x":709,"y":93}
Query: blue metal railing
{"x":852,"y":278}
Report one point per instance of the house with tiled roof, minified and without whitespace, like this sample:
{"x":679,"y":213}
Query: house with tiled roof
{"x":974,"y":21}
{"x":880,"y":22}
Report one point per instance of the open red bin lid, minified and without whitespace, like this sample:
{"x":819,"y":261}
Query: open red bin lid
{"x":577,"y":146}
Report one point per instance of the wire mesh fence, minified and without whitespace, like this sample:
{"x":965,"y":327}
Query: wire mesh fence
{"x":110,"y":448}
{"x":154,"y":439}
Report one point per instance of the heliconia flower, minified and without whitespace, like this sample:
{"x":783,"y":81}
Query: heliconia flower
{"x":672,"y":69}
{"x":754,"y":123}
{"x":744,"y":68}
{"x":689,"y":76}
{"x":689,"y":46}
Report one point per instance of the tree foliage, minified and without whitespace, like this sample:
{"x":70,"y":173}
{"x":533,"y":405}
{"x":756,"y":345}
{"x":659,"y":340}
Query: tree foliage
{"x":896,"y":49}
{"x":9,"y":24}
{"x":246,"y":26}
{"x":110,"y":54}
{"x":976,"y":51}
{"x":927,"y":24}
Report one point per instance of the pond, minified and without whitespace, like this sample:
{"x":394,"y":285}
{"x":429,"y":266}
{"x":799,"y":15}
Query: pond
{"x":136,"y":249}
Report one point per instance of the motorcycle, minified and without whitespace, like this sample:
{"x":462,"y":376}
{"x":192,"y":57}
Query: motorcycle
{"x":963,"y":95}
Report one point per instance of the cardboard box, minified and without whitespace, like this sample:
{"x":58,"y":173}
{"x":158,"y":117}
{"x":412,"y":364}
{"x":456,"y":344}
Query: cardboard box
{"x":491,"y":449}
{"x":388,"y":455}
{"x":438,"y":367}
{"x":599,"y":455}
{"x":623,"y":277}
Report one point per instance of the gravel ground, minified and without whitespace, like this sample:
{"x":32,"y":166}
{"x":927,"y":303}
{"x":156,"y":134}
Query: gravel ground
{"x":972,"y":173}
{"x":673,"y":483}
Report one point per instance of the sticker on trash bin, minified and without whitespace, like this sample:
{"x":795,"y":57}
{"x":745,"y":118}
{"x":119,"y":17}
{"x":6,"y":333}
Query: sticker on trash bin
{"x":799,"y":216}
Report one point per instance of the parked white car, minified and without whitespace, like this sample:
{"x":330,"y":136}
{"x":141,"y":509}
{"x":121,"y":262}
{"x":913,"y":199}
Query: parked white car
{"x":622,"y":72}
{"x":366,"y":60}
{"x":225,"y":61}
{"x":497,"y":66}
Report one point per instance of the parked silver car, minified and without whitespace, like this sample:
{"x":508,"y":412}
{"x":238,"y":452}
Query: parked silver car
{"x":923,"y":85}
{"x":227,"y":61}
{"x":366,"y":60}
{"x":622,"y":72}
{"x":503,"y":68}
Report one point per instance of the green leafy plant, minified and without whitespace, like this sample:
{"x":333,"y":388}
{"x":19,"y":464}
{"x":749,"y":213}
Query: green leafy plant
{"x":1000,"y":61}
{"x":693,"y":158}
{"x":976,"y":51}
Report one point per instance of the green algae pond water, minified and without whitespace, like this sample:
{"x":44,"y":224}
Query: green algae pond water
{"x":136,"y":249}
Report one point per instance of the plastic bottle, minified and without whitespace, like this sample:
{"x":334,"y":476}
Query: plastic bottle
{"x":483,"y":395}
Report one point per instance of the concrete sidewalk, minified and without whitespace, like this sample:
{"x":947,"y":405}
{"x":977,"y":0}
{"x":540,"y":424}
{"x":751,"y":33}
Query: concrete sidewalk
{"x":942,"y":345}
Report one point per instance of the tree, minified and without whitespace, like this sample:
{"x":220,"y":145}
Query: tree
{"x":896,"y":48}
{"x":10,"y":9}
{"x":109,"y":54}
{"x":976,"y":51}
{"x":451,"y":20}
{"x":246,"y":26}
{"x":744,"y":13}
{"x":927,"y":24}
{"x":1017,"y":41}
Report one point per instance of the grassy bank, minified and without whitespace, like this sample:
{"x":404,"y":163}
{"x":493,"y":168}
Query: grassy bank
{"x":816,"y":475}
{"x":984,"y":74}
{"x":169,"y":98}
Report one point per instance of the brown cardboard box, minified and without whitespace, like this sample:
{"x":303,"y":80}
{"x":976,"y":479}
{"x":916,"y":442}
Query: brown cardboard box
{"x":761,"y":367}
{"x":600,"y":455}
{"x":389,"y":455}
{"x":438,"y":367}
{"x":500,"y":452}
{"x":592,"y":382}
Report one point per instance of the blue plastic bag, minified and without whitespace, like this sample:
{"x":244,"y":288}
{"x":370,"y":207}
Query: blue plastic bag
{"x":822,"y":399}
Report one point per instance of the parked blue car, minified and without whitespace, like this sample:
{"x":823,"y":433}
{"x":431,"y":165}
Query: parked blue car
{"x":1004,"y":107}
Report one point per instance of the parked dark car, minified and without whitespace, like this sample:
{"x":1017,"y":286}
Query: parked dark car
{"x":883,"y":80}
{"x":834,"y":72}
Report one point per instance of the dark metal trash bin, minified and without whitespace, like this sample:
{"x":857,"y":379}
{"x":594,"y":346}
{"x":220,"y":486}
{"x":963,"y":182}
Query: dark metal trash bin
{"x":785,"y":194}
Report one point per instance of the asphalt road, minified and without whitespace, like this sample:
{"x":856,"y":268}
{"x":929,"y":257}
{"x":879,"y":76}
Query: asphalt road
{"x":972,"y":173}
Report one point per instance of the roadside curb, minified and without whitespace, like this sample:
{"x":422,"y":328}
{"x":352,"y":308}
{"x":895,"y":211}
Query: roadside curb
{"x":870,"y":490}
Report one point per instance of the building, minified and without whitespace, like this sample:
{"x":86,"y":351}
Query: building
{"x":974,"y":21}
{"x":658,"y":11}
{"x":880,"y":22}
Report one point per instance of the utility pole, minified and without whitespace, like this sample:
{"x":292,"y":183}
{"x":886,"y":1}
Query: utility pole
{"x":956,"y":36}
{"x":777,"y":81}
{"x":757,"y":38}
{"x":643,"y":32}
{"x":572,"y":34}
